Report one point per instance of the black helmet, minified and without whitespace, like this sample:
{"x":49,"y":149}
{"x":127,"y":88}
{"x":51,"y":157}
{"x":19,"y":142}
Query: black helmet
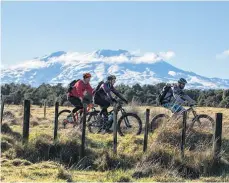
{"x":182,"y":81}
{"x":111,"y":77}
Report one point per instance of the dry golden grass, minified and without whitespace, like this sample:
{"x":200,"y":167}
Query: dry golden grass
{"x":161,"y":162}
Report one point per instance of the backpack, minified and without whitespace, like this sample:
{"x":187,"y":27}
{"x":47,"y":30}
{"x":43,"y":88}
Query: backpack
{"x":71,"y":85}
{"x":97,"y":87}
{"x":163,"y":93}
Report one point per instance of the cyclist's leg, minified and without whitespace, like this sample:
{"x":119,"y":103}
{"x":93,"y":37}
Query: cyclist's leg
{"x":177,"y":111}
{"x":171,"y":106}
{"x":97,"y":101}
{"x":76,"y":102}
{"x":176,"y":108}
{"x":104,"y":105}
{"x":104,"y":112}
{"x":167,"y":106}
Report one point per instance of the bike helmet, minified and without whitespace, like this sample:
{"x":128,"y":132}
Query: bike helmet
{"x":182,"y":81}
{"x":86,"y":75}
{"x":111,"y":77}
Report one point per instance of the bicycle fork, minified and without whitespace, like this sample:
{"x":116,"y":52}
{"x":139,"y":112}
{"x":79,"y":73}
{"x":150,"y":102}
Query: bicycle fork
{"x":195,"y":117}
{"x":126,"y":120}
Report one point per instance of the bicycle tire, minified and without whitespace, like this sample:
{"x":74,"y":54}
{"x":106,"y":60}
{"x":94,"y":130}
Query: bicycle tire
{"x":139,"y":123}
{"x":203,"y":116}
{"x":154,"y":124}
{"x":90,"y":124}
{"x":61,"y":113}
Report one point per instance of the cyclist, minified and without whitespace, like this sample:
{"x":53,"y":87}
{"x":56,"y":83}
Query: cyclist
{"x":104,"y":99}
{"x":80,"y":90}
{"x":175,"y":96}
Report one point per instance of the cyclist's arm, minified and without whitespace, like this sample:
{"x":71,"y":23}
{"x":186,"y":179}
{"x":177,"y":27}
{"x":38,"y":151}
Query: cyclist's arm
{"x":178,"y":95}
{"x":117,"y":93}
{"x":188,"y":99}
{"x":181,"y":97}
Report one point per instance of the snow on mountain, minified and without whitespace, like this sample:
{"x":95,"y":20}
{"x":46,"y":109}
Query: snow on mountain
{"x":62,"y":67}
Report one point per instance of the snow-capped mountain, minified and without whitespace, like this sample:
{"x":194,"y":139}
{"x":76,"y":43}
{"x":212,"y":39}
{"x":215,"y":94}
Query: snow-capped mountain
{"x":130,"y":68}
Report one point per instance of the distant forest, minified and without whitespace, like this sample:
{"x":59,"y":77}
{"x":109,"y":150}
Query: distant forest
{"x":144,"y":95}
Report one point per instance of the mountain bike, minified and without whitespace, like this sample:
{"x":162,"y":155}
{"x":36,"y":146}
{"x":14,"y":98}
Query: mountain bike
{"x":199,"y":121}
{"x":128,"y":123}
{"x":67,"y":118}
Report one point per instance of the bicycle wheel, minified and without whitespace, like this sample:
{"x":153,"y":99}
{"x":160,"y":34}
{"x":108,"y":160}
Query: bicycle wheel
{"x":62,"y":119}
{"x":94,"y":126}
{"x":129,"y":123}
{"x":203,"y":122}
{"x":157,"y":121}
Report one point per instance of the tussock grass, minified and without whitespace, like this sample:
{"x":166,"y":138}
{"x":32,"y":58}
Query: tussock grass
{"x":17,"y":162}
{"x":10,"y":118}
{"x":5,"y":129}
{"x":118,"y":176}
{"x":8,"y":115}
{"x":108,"y":161}
{"x":44,"y":160}
{"x":64,"y":174}
{"x":7,"y":142}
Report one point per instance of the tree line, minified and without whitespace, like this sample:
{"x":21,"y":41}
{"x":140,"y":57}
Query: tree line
{"x":144,"y":95}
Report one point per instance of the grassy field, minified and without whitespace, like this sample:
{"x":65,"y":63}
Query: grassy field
{"x":44,"y":160}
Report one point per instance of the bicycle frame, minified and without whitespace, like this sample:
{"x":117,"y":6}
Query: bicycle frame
{"x":195,"y":115}
{"x":189,"y":110}
{"x":123,"y":112}
{"x":76,"y":115}
{"x":192,"y":110}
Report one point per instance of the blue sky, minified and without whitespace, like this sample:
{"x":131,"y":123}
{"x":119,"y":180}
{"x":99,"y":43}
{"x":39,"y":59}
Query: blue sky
{"x":197,"y":32}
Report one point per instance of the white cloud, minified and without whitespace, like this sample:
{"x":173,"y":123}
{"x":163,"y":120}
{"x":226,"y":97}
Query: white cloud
{"x":72,"y":57}
{"x":79,"y":59}
{"x":153,"y":57}
{"x":223,"y":55}
{"x":172,"y":73}
{"x":167,"y":55}
{"x":115,"y":59}
{"x":30,"y":64}
{"x":147,"y":58}
{"x":194,"y":79}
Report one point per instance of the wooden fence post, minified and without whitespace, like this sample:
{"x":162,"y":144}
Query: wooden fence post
{"x":26,"y":121}
{"x":115,"y":130}
{"x":56,"y":120}
{"x":182,"y":147}
{"x":217,"y":136}
{"x":82,"y":152}
{"x":45,"y":109}
{"x":146,"y":130}
{"x":2,"y":107}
